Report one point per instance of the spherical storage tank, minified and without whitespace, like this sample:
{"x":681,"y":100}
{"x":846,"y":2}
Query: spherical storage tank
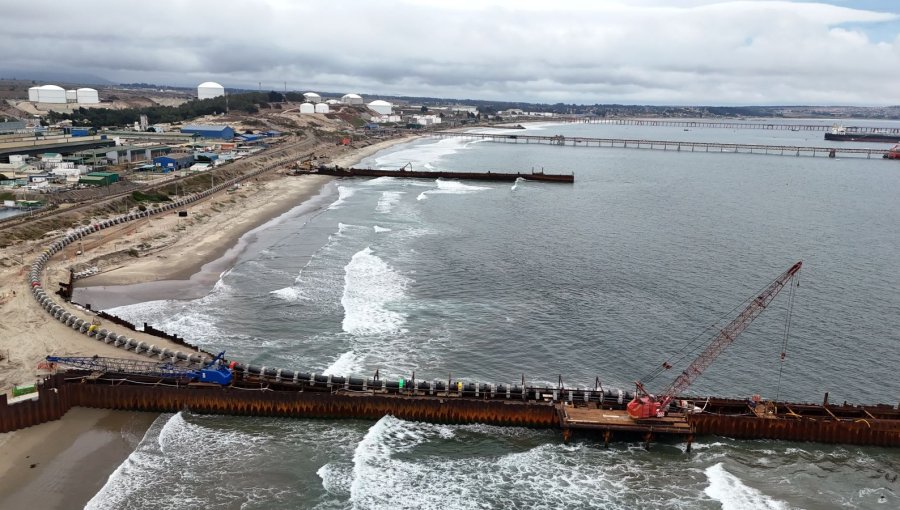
{"x":307,"y":108}
{"x":51,"y":94}
{"x":312,"y":97}
{"x":382,"y":107}
{"x":352,"y":99}
{"x":209,"y":90}
{"x":87,"y":96}
{"x":322,"y":108}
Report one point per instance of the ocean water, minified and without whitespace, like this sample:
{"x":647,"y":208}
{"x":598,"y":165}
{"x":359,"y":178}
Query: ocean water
{"x":495,"y":281}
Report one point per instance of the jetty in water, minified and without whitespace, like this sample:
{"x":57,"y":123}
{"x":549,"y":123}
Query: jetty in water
{"x":414,"y":174}
{"x":724,"y":124}
{"x":253,"y":390}
{"x":671,"y":145}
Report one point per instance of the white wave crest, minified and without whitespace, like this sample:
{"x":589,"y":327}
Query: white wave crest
{"x":387,"y":201}
{"x":370,"y":284}
{"x":516,"y":184}
{"x":381,"y":229}
{"x":289,"y":294}
{"x":344,"y":192}
{"x":347,"y":364}
{"x":380,"y":180}
{"x":728,"y":490}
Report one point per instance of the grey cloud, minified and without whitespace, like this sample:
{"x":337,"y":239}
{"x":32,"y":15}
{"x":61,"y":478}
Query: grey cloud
{"x":705,"y":52}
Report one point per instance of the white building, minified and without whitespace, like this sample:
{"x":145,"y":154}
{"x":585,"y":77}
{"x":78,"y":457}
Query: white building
{"x":209,"y":90}
{"x":33,"y":94}
{"x":50,"y":94}
{"x":384,"y":119}
{"x":322,"y":108}
{"x":87,"y":96}
{"x":70,"y":96}
{"x":352,"y":99}
{"x":332,"y":102}
{"x":381,"y":107}
{"x":425,"y":120}
{"x":307,"y":108}
{"x":312,"y":97}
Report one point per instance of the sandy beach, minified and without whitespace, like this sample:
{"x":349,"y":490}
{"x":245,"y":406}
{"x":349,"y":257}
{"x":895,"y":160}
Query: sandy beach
{"x":177,"y":256}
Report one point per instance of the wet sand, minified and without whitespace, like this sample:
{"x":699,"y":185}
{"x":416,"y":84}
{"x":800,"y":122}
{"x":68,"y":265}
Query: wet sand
{"x":62,"y":464}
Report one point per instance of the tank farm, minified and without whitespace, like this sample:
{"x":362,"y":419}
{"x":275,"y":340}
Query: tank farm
{"x":606,"y":413}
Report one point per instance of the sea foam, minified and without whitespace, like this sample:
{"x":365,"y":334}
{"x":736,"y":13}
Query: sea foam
{"x":728,"y":490}
{"x":370,"y":285}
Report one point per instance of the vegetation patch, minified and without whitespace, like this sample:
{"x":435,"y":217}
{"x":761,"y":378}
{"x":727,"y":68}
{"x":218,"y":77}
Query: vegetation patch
{"x":150,"y":196}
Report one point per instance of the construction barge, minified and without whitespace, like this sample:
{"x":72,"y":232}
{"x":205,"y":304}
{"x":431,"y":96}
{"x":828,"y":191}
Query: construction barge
{"x":416,"y":174}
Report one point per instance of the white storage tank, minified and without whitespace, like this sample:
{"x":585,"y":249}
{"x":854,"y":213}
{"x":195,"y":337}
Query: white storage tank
{"x":70,"y":96}
{"x":33,"y":94}
{"x":322,"y":108}
{"x":381,"y":107}
{"x":51,"y":94}
{"x":352,"y":99}
{"x":307,"y":108}
{"x":312,"y":97}
{"x":209,"y":90}
{"x":87,"y":96}
{"x":332,"y":101}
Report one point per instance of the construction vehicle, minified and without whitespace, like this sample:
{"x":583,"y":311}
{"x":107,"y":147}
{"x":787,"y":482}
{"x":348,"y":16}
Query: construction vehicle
{"x":646,"y":405}
{"x":212,"y":372}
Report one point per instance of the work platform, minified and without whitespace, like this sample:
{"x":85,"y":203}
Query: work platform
{"x":616,"y":420}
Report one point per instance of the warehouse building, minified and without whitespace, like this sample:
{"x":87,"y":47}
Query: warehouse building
{"x":99,"y":178}
{"x":173,"y":162}
{"x":209,"y":131}
{"x":209,"y":90}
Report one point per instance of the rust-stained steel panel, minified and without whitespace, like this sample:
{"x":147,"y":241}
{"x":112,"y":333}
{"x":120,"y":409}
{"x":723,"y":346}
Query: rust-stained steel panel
{"x":57,"y":396}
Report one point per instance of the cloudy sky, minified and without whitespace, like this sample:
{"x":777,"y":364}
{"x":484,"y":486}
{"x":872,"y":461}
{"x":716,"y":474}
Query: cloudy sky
{"x":591,"y":51}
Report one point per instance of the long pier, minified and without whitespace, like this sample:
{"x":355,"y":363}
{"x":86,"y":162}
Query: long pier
{"x":767,"y":126}
{"x":478,"y":176}
{"x":272,"y":391}
{"x":670,"y":145}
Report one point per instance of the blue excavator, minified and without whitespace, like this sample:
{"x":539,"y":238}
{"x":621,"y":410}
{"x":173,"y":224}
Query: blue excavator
{"x":212,"y":372}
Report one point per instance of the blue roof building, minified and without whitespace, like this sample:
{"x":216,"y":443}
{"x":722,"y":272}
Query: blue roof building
{"x":208,"y":131}
{"x":173,"y":162}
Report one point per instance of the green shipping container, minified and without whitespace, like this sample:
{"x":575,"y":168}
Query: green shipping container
{"x":18,"y":391}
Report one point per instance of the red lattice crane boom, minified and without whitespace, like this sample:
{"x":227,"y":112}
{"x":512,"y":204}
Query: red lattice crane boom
{"x":646,"y":405}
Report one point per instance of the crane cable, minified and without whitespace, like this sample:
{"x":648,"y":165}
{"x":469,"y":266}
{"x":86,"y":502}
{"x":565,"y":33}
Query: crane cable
{"x":693,"y":345}
{"x":787,"y":332}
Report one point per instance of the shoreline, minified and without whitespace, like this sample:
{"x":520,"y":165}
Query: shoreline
{"x":75,"y":455}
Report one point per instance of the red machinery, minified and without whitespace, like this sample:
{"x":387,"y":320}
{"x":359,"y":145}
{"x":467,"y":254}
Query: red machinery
{"x":893,"y":153}
{"x":646,"y":405}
